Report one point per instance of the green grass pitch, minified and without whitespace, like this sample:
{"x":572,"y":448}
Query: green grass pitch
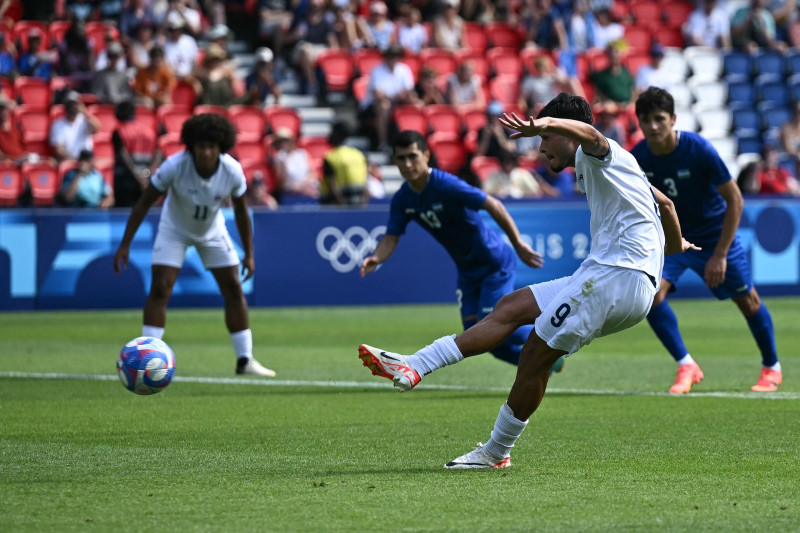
{"x":328,"y":447}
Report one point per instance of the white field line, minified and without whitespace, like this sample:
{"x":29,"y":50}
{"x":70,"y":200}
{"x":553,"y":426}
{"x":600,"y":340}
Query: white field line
{"x":383,"y":385}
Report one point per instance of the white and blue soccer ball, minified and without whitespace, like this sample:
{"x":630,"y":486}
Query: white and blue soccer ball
{"x":146,"y":365}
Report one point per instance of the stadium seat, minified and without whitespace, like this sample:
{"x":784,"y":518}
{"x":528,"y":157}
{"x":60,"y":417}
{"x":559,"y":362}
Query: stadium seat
{"x":505,"y":90}
{"x":206,"y":108}
{"x":478,"y":59}
{"x":682,"y":95}
{"x":253,"y":168}
{"x":410,"y":117}
{"x":282,"y":117}
{"x":7,"y":88}
{"x":360,"y":86}
{"x":792,"y":60}
{"x":441,"y":60}
{"x":366,"y":59}
{"x":38,"y":146}
{"x":42,"y":178}
{"x":597,"y":60}
{"x":449,"y":151}
{"x":638,"y":38}
{"x":107,"y":116}
{"x":705,"y":62}
{"x":23,"y":28}
{"x":171,"y":117}
{"x":773,"y":92}
{"x":675,"y":65}
{"x":483,"y":166}
{"x":714,"y":122}
{"x":636,"y":60}
{"x":793,"y":84}
{"x":248,"y":120}
{"x":646,"y":13}
{"x":474,"y":37}
{"x":252,"y":150}
{"x":685,"y":120}
{"x":103,"y":147}
{"x":741,"y":94}
{"x":443,"y":118}
{"x":504,"y":62}
{"x":675,"y":13}
{"x":774,"y":117}
{"x":183,"y":95}
{"x":769,"y":64}
{"x":170,"y":144}
{"x":64,"y":167}
{"x":337,"y":69}
{"x":414,"y":63}
{"x":33,"y":92}
{"x":473,"y":119}
{"x":106,"y":168}
{"x":746,"y":122}
{"x":725,"y":146}
{"x":748,"y":144}
{"x":737,"y":67}
{"x":56,"y":30}
{"x":146,"y":118}
{"x":620,"y":12}
{"x":708,"y":93}
{"x":96,"y":31}
{"x":316,"y":146}
{"x":528,"y":57}
{"x":669,"y":37}
{"x":11,"y":184}
{"x":504,"y":35}
{"x":35,"y":123}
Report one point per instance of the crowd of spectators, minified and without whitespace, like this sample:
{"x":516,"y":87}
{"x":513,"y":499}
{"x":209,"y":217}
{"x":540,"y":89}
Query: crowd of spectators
{"x":472,"y":56}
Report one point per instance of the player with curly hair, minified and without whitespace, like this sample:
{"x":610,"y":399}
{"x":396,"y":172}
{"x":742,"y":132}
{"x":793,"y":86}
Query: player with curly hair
{"x":199,"y":179}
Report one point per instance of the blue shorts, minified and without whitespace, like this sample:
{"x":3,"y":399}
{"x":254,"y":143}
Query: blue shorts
{"x":478,"y":298}
{"x":738,"y":279}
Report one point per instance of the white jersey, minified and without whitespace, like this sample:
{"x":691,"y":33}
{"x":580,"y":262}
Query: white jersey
{"x":625,"y":224}
{"x":192,"y":205}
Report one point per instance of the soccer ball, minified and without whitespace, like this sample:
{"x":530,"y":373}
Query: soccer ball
{"x":146,"y":365}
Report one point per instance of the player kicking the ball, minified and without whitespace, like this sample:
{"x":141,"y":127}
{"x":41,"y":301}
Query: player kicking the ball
{"x":199,"y":179}
{"x":611,"y":291}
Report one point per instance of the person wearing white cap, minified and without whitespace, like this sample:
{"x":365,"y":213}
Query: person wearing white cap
{"x":110,"y":85}
{"x":381,"y":30}
{"x":72,"y":133}
{"x":261,"y":82}
{"x":181,"y":10}
{"x":180,"y":49}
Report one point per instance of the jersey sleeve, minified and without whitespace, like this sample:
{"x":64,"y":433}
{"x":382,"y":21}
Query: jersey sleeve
{"x":716,"y":169}
{"x":461,"y":191}
{"x":164,"y":177}
{"x":397,"y":217}
{"x":239,"y":185}
{"x":601,"y":161}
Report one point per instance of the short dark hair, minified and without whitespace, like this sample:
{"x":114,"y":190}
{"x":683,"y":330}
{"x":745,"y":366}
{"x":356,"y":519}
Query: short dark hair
{"x":209,"y":127}
{"x":568,"y":106}
{"x":406,"y":138}
{"x":654,"y":99}
{"x":340,"y":131}
{"x":125,"y":111}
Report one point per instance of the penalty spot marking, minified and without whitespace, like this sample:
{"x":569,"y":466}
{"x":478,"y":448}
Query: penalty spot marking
{"x":383,"y":385}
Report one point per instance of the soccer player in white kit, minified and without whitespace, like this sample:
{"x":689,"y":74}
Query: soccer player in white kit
{"x":632,"y":227}
{"x":199,"y":179}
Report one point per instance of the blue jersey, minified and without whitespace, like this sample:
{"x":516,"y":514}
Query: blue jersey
{"x":689,"y":176}
{"x":447,"y":208}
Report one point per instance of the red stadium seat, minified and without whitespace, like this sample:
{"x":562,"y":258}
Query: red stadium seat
{"x":282,"y":117}
{"x":597,"y":60}
{"x":56,"y":112}
{"x":414,"y":63}
{"x":248,"y":120}
{"x":96,"y":31}
{"x":646,"y":13}
{"x":317,"y":147}
{"x":449,"y":151}
{"x":33,"y":92}
{"x":504,"y":62}
{"x":145,"y":118}
{"x":676,"y":13}
{"x":7,"y":88}
{"x":170,"y":144}
{"x":22,"y":30}
{"x":106,"y":168}
{"x":636,"y":60}
{"x":107,"y":116}
{"x":409,"y":117}
{"x":638,"y":39}
{"x":57,"y":29}
{"x":620,"y":12}
{"x":58,"y":83}
{"x":528,"y":57}
{"x":483,"y":166}
{"x":474,"y":37}
{"x":253,"y":168}
{"x":504,"y":35}
{"x":11,"y":184}
{"x":183,"y":95}
{"x":171,"y":117}
{"x":38,"y":146}
{"x":360,"y":86}
{"x":478,"y":60}
{"x":103,"y":147}
{"x":440,"y":60}
{"x":35,"y":123}
{"x":42,"y":178}
{"x":670,"y":37}
{"x":249,"y":151}
{"x":473,"y":119}
{"x":505,"y":90}
{"x":366,"y":59}
{"x":337,"y":69}
{"x":206,"y":108}
{"x":443,"y":118}
{"x":64,"y":167}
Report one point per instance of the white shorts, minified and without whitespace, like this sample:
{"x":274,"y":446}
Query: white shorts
{"x":595,"y":301}
{"x":217,"y":251}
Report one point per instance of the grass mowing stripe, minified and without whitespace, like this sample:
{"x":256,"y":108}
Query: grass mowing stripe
{"x":378,"y":385}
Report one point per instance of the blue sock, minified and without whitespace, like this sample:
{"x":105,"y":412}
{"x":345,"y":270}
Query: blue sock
{"x":509,"y":350}
{"x":761,"y":326}
{"x":665,"y":325}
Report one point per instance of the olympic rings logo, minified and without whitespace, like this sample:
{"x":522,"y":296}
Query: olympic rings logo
{"x":346,"y":251}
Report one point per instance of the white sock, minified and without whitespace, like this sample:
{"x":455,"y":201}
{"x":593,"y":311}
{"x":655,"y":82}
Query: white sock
{"x":776,"y":366}
{"x":686,"y":360}
{"x":243,"y":343}
{"x":439,"y":353}
{"x":152,"y":331}
{"x":507,"y":430}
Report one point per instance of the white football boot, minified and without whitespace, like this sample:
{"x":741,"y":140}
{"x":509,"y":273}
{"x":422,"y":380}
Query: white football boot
{"x":479,"y":458}
{"x":253,"y":367}
{"x":390,"y":366}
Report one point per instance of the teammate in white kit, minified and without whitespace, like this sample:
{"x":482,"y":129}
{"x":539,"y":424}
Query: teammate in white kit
{"x":611,"y":291}
{"x":199,"y":179}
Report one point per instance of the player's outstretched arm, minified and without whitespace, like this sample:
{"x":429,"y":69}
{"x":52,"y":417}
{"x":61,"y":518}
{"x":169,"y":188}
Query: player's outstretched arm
{"x":243,"y":226}
{"x":382,"y":252}
{"x":592,"y":141}
{"x":149,"y":196}
{"x":676,"y":244}
{"x":500,"y":215}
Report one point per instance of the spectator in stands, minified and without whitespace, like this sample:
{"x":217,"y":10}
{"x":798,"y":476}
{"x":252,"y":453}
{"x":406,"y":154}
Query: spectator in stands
{"x":492,"y":138}
{"x":261,"y":83}
{"x":653,"y":75}
{"x":344,"y":171}
{"x":773,"y":178}
{"x":314,"y":33}
{"x":154,"y":83}
{"x":12,"y":145}
{"x":182,"y":11}
{"x":380,"y":30}
{"x":132,"y":17}
{"x":411,"y":34}
{"x":606,"y":122}
{"x":606,"y":30}
{"x":753,"y":27}
{"x":219,"y":35}
{"x":563,"y":182}
{"x":708,"y":25}
{"x":84,"y":186}
{"x":347,"y":27}
{"x":787,"y":23}
{"x":448,"y":27}
{"x":258,"y":195}
{"x":81,"y":9}
{"x":790,"y":137}
{"x":72,"y":133}
{"x":110,"y":9}
{"x":615,"y":82}
{"x":375,"y":188}
{"x":512,"y":181}
{"x":139,"y":48}
{"x":35,"y":61}
{"x":102,"y":61}
{"x":545,"y":83}
{"x":136,"y":156}
{"x":427,"y":88}
{"x":580,"y":32}
{"x":275,"y":18}
{"x":216,"y":76}
{"x":293,"y":170}
{"x":76,"y":58}
{"x":390,"y":84}
{"x":180,"y":51}
{"x":110,"y":85}
{"x":464,"y":87}
{"x":544,"y":27}
{"x":8,"y":57}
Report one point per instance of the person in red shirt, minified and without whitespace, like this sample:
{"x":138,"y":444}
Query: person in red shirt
{"x":773,"y":178}
{"x":11,"y":143}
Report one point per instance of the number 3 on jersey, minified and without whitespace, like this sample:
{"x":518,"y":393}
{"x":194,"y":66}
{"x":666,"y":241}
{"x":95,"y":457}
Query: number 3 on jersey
{"x":560,"y":315}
